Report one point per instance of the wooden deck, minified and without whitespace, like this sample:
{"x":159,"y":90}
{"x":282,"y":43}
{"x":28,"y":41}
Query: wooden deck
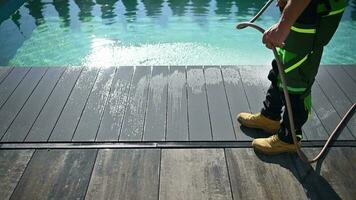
{"x":127,"y":104}
{"x":174,"y":174}
{"x":164,"y":104}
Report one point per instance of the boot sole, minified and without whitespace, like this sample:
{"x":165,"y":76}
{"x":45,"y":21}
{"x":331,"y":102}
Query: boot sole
{"x":263,"y":151}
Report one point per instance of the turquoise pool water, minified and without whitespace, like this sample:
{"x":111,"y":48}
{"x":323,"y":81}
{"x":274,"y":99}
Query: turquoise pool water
{"x":148,"y":32}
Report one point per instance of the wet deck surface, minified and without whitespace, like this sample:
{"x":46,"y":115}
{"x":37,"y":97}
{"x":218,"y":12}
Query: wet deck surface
{"x":155,"y":103}
{"x":164,"y":104}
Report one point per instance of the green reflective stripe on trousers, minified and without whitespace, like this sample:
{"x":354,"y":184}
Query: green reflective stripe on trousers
{"x":303,"y":30}
{"x":308,"y":104}
{"x":285,"y":55}
{"x":336,"y":12}
{"x":296,"y":64}
{"x":292,"y":89}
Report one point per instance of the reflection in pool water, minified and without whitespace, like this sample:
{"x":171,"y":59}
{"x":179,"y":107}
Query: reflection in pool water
{"x":147,"y":32}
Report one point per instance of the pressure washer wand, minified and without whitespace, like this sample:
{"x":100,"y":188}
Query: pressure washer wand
{"x":286,"y":95}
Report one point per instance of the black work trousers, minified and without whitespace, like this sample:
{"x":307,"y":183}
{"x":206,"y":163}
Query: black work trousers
{"x":274,"y":103}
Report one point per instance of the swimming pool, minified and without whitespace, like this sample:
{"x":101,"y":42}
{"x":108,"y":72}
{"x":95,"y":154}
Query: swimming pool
{"x":148,"y":32}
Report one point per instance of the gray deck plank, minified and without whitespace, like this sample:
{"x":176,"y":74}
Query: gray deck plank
{"x":236,"y":98}
{"x":156,"y":114}
{"x":27,"y":116}
{"x":177,"y":113}
{"x":255,"y":82}
{"x":19,"y":97}
{"x":194,"y":174}
{"x":68,"y":120}
{"x":46,"y":120}
{"x":4,"y":72}
{"x":10,"y":83}
{"x":132,"y":128}
{"x":262,"y":177}
{"x":221,"y":121}
{"x":12,"y":165}
{"x":334,"y":93}
{"x":313,"y":129}
{"x":345,"y":82}
{"x":333,"y":178}
{"x":56,"y":174}
{"x":125,"y":174}
{"x":115,"y":108}
{"x":326,"y":113}
{"x":350,"y":154}
{"x":351,"y":71}
{"x":199,"y":122}
{"x":90,"y":120}
{"x":348,"y":86}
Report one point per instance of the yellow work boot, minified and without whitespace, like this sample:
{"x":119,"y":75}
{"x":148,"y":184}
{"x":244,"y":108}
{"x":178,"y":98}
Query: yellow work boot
{"x":258,"y":121}
{"x":272,"y":145}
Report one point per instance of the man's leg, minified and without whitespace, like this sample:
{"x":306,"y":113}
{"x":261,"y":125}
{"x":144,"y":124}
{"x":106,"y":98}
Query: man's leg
{"x":300,"y":67}
{"x":283,"y":141}
{"x":300,"y":116}
{"x":272,"y":105}
{"x":299,"y":83}
{"x":268,"y":119}
{"x":300,"y":102}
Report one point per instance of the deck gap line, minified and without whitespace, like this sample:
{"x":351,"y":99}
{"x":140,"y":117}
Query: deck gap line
{"x":7,"y":75}
{"x":317,"y":115}
{"x":187,"y":96}
{"x":243,"y":87}
{"x":352,"y":78}
{"x":207,"y":103}
{"x":106,"y":102}
{"x":86,"y":101}
{"x":65,"y":103}
{"x":157,"y":145}
{"x":159,"y":174}
{"x":91,"y":173}
{"x":338,"y":85}
{"x":167,"y":84}
{"x":147,"y":102}
{"x":228,"y":174}
{"x":332,"y":105}
{"x":24,"y":103}
{"x":321,"y":122}
{"x":1,"y":106}
{"x":228,"y":102}
{"x":39,"y":113}
{"x":27,"y":164}
{"x":126,"y":103}
{"x":344,"y":92}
